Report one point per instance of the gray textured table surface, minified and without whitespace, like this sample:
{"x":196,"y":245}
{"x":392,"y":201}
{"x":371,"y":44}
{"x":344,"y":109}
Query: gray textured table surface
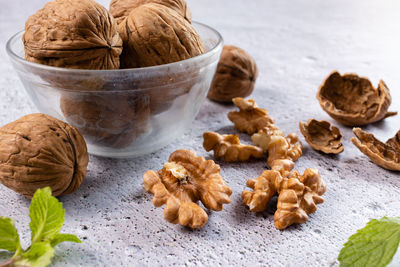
{"x":296,"y":45}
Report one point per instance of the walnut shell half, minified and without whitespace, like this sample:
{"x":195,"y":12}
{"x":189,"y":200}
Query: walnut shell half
{"x":235,"y":77}
{"x":120,"y":9}
{"x":320,"y":136}
{"x":38,"y":150}
{"x":353,"y":101}
{"x":76,"y":34}
{"x":154,"y":34}
{"x":385,"y":155}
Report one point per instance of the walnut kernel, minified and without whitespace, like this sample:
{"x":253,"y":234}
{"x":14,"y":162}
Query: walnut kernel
{"x":185,"y":180}
{"x":250,"y":118}
{"x":229,"y":148}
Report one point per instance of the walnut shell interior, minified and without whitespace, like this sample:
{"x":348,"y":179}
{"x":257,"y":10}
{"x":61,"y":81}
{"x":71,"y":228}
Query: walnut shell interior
{"x":77,"y":34}
{"x":38,"y":150}
{"x":235,"y":77}
{"x":322,"y":137}
{"x":154,"y":34}
{"x":353,"y":100}
{"x":120,"y":9}
{"x":386,"y":155}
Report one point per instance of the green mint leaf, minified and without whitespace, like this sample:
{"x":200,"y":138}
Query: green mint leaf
{"x":64,"y":238}
{"x":47,"y":216}
{"x":38,"y":255}
{"x":9,"y":239}
{"x":374,"y":245}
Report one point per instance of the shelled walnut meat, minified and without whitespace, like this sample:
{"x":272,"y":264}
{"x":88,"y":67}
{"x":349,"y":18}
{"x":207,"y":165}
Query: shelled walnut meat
{"x":228,"y":147}
{"x":297,"y":194}
{"x":38,"y":150}
{"x":120,"y":9}
{"x":322,"y":137}
{"x":77,"y":34}
{"x":353,"y":100}
{"x":250,"y":118}
{"x":185,"y":180}
{"x":235,"y":77}
{"x":154,"y":34}
{"x":385,"y":155}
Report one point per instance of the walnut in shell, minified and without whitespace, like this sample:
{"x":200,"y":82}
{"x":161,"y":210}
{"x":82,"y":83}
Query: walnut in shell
{"x":386,"y":155}
{"x":250,"y":118}
{"x":154,"y":34}
{"x":120,"y":9}
{"x":228,"y":147}
{"x":185,"y":180}
{"x":320,"y":136}
{"x":235,"y":77}
{"x":77,"y":34}
{"x":38,"y":150}
{"x":353,"y":101}
{"x":113,"y":120}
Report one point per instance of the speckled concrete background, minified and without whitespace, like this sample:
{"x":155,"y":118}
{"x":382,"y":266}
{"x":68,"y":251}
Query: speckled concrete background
{"x":296,"y":45}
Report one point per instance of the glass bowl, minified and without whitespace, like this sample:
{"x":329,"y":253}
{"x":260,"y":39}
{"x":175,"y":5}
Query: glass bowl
{"x":128,"y":112}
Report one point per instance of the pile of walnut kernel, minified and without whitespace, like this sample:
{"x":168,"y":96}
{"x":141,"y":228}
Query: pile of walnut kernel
{"x":298,"y":194}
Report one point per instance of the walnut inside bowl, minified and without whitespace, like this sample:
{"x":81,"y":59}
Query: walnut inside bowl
{"x":76,"y":34}
{"x":120,"y":9}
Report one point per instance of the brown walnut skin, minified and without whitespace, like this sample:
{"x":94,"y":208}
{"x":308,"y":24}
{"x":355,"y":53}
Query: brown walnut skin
{"x":38,"y":150}
{"x":120,"y":9}
{"x":235,"y":77}
{"x":353,"y":101}
{"x":76,"y":34}
{"x":154,"y":34}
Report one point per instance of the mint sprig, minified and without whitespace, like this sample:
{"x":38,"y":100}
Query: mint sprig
{"x":375,"y":245}
{"x":47,"y":218}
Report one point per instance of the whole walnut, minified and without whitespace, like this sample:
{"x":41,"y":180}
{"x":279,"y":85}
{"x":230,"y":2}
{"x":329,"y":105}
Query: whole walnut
{"x":110,"y":120}
{"x":76,"y":34}
{"x":235,"y":77}
{"x":120,"y":9}
{"x":154,"y":34}
{"x":38,"y":150}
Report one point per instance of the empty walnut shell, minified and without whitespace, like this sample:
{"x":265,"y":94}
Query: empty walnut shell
{"x":385,"y":155}
{"x":235,"y":77}
{"x":120,"y":9}
{"x":320,"y":136}
{"x":353,"y":101}
{"x":38,"y":150}
{"x":154,"y":34}
{"x":76,"y":34}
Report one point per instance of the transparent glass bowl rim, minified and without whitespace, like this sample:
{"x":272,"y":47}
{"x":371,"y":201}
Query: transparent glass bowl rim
{"x":189,"y":61}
